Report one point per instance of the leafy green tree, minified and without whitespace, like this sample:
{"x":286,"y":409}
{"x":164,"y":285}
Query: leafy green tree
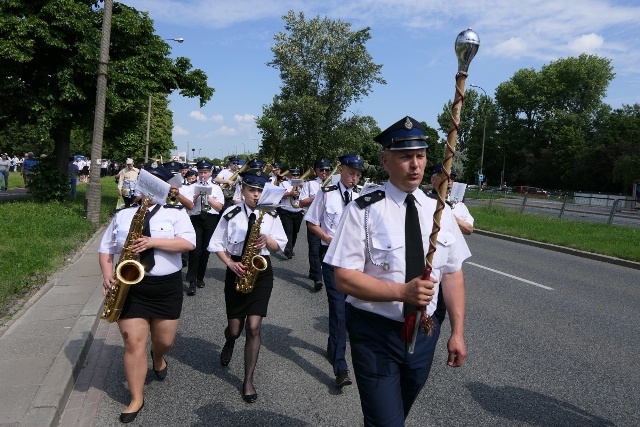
{"x":49,"y":53}
{"x":325,"y":68}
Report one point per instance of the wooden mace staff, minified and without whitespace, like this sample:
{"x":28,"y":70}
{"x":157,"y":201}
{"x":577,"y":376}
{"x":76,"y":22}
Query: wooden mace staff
{"x":467,"y":44}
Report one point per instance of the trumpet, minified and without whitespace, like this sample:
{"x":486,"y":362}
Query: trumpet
{"x":204,"y":203}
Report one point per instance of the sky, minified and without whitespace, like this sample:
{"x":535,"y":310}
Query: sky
{"x":413,"y":40}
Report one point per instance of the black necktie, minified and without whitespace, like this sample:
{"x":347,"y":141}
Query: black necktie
{"x":347,"y":197}
{"x":414,"y":252}
{"x":147,"y":258}
{"x":252,"y":220}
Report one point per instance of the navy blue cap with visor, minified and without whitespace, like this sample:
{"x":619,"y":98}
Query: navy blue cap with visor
{"x":277,"y":165}
{"x":204,"y":165}
{"x":255,"y":178}
{"x":294,"y":171}
{"x":159,"y":171}
{"x":352,"y":160}
{"x":438,"y":169}
{"x":322,"y":164}
{"x":405,"y":134}
{"x":233,"y":159}
{"x":184,"y":166}
{"x":256,"y":164}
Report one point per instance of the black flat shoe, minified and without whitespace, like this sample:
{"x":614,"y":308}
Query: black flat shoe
{"x":224,"y":361}
{"x":128,"y":417}
{"x":249,"y":398}
{"x":161,"y":374}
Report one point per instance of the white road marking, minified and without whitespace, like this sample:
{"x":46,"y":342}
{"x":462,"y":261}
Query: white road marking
{"x":511,"y":276}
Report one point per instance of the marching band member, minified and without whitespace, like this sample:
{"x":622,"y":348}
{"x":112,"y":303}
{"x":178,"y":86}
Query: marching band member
{"x":322,"y":219}
{"x":127,"y":183}
{"x":378,"y":252}
{"x":153,"y":306}
{"x":246,"y":310}
{"x":204,"y":217}
{"x":184,"y":168}
{"x":290,"y":215}
{"x":307,"y":195}
{"x":225,"y":174}
{"x":275,"y":173}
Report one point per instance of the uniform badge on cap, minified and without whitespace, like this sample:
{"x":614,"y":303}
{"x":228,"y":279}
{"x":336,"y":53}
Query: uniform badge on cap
{"x":407,"y":124}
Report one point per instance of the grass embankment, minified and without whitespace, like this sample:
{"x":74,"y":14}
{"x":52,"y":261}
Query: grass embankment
{"x":611,"y":240}
{"x":36,"y":239}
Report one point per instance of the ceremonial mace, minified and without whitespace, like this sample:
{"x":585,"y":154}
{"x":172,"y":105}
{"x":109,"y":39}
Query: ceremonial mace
{"x":467,"y":44}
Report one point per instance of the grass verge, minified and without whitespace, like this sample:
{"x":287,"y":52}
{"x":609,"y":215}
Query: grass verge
{"x":611,"y":240}
{"x":37,"y":239}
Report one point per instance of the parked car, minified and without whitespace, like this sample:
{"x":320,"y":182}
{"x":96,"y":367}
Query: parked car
{"x":531,"y":191}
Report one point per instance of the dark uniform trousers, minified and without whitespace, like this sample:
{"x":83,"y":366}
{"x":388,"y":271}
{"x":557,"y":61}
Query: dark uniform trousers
{"x":315,"y":268}
{"x":389,"y":378}
{"x":291,"y":222}
{"x":337,"y":342}
{"x":204,"y":226}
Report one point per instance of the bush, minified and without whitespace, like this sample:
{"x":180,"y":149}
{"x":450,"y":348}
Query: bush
{"x":47,"y":183}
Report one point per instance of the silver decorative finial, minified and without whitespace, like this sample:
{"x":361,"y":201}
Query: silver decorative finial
{"x":467,"y":44}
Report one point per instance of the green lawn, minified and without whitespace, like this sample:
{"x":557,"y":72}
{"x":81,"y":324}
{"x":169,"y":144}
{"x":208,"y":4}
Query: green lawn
{"x":37,"y":238}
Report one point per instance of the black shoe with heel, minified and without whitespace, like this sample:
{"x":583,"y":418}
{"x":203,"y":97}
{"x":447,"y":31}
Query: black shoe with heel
{"x":128,"y":417}
{"x":162,"y":373}
{"x":249,"y":398}
{"x":224,"y":360}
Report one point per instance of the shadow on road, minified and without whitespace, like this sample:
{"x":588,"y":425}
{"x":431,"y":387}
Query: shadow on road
{"x":532,"y":408}
{"x":218,"y":415}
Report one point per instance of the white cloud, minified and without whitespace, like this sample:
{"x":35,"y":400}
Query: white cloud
{"x":179,"y":131}
{"x":589,"y":43}
{"x":197,"y":115}
{"x":245,"y":119}
{"x":222,"y":131}
{"x":514,"y":47}
{"x":217,"y":118}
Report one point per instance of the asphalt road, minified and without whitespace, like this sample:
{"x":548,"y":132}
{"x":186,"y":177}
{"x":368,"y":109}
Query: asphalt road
{"x":557,"y":349}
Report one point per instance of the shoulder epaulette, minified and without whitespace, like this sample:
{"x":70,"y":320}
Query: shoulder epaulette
{"x":233,"y":212}
{"x":369,"y":198}
{"x":329,"y":188}
{"x":126,"y":207}
{"x":273,"y":213}
{"x":432,"y":195}
{"x":173,"y":206}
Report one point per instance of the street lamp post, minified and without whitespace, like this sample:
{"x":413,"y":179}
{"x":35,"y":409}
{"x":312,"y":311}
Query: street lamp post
{"x":193,"y":154}
{"x":244,"y":150}
{"x":146,"y":148}
{"x":484,"y":129}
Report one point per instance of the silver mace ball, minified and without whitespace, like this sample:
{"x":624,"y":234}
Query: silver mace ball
{"x":467,"y":44}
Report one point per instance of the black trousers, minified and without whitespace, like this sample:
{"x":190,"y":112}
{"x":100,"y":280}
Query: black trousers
{"x":204,"y":226}
{"x":291,"y":222}
{"x":315,"y":272}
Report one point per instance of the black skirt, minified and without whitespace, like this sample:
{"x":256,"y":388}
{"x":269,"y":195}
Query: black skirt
{"x":155,"y":297}
{"x":240,"y":305}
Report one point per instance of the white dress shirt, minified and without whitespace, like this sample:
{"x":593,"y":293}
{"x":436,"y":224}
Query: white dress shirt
{"x":378,"y":249}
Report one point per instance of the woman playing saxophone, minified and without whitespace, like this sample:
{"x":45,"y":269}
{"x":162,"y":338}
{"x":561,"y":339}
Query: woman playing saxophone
{"x":230,"y":241}
{"x":152,"y":307}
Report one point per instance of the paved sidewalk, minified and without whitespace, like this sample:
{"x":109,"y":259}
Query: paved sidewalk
{"x":44,"y":346}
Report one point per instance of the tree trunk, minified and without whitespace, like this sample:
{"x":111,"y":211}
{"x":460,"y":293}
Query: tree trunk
{"x":61,"y":136}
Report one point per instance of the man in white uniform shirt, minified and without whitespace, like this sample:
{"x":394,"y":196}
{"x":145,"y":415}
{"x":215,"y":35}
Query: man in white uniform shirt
{"x":290,"y":214}
{"x":224,"y":178}
{"x":204,"y":217}
{"x":308,"y":193}
{"x":323,"y":218}
{"x":378,"y":254}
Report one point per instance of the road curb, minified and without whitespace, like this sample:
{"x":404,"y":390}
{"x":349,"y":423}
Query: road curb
{"x":50,"y":400}
{"x":563,"y":249}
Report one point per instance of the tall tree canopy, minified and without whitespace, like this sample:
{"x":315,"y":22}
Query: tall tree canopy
{"x":48,"y":63}
{"x":325,"y":67}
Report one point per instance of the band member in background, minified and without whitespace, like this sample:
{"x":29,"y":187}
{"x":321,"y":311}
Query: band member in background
{"x":309,"y":191}
{"x":224,"y":178}
{"x":127,"y":182}
{"x":190,"y":177}
{"x":153,"y":306}
{"x":245,"y":311}
{"x":275,"y":173}
{"x":322,"y":219}
{"x":174,"y":165}
{"x":290,"y":214}
{"x":378,"y":252}
{"x":204,"y":217}
{"x":184,"y":168}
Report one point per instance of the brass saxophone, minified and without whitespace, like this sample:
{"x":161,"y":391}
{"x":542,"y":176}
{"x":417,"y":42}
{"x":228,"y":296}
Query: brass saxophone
{"x":252,"y":261}
{"x":129,"y":271}
{"x":228,"y":189}
{"x":333,"y":172}
{"x":295,"y":201}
